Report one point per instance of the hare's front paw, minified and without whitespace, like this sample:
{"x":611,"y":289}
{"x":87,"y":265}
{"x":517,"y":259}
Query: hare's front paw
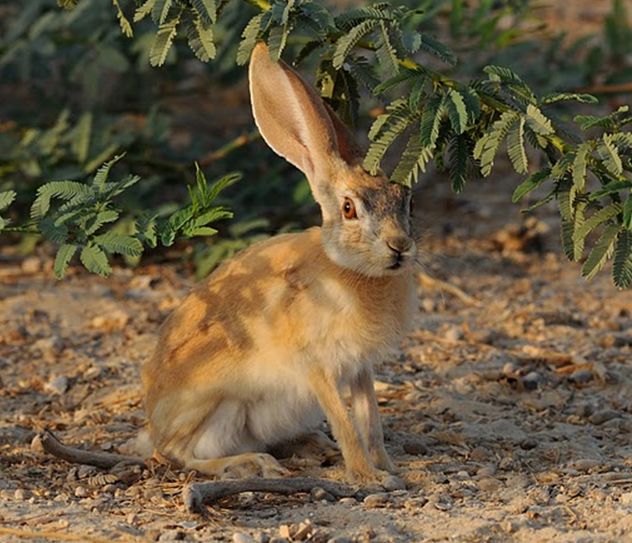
{"x":367,"y":477}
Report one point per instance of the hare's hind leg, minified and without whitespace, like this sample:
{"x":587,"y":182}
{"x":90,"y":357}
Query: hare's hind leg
{"x":225,"y":447}
{"x":239,"y":466}
{"x":315,"y":445}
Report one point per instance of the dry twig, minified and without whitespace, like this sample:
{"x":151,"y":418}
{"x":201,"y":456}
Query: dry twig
{"x":78,"y":456}
{"x":432,"y":283}
{"x":196,"y":495}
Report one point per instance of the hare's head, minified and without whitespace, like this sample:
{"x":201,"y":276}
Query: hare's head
{"x":366,"y":219}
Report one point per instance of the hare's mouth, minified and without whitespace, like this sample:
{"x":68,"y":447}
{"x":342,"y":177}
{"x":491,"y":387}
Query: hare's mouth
{"x":398,"y":261}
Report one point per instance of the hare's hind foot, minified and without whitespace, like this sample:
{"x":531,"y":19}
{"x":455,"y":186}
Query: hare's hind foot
{"x":239,"y":466}
{"x":316,"y":448}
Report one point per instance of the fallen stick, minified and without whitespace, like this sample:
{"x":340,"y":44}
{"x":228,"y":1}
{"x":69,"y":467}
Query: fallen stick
{"x":196,"y":495}
{"x":433,"y":283}
{"x":52,"y":535}
{"x":53,"y":446}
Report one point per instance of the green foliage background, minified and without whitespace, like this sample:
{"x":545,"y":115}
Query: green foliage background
{"x":87,"y":81}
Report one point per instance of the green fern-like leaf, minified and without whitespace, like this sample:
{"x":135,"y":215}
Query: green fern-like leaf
{"x":200,"y":38}
{"x":569,"y":96}
{"x":95,"y":260}
{"x":538,"y":122}
{"x":529,"y":184}
{"x":163,"y":41}
{"x":414,"y":158}
{"x":126,"y":27}
{"x":610,"y":155}
{"x":457,"y":111}
{"x":515,"y":147}
{"x":207,"y":10}
{"x":487,"y":146}
{"x":99,"y":219}
{"x":346,"y":43}
{"x":458,"y":153}
{"x":627,"y":213}
{"x":622,"y":265}
{"x":121,"y":244}
{"x":250,"y":36}
{"x":596,"y":219}
{"x":431,"y":118}
{"x":386,"y":52}
{"x":56,"y":234}
{"x":6,"y":199}
{"x":62,"y":259}
{"x":601,"y":252}
{"x":438,"y":49}
{"x":160,"y":11}
{"x":66,"y":190}
{"x":144,"y":10}
{"x":580,"y":163}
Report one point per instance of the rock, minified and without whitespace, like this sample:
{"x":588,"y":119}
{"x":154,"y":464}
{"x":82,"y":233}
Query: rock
{"x":302,"y":531}
{"x":172,"y":535}
{"x":81,"y":492}
{"x":57,"y":384}
{"x":376,"y":500}
{"x":262,"y":538}
{"x":415,"y":447}
{"x":21,"y":494}
{"x":531,"y":381}
{"x":452,"y":335}
{"x":279,"y":540}
{"x":49,"y":347}
{"x":318,"y":493}
{"x":347,"y":501}
{"x":626,"y":498}
{"x":581,"y":377}
{"x":243,"y":538}
{"x":528,"y":443}
{"x":603,"y":416}
{"x":340,"y":539}
{"x":114,"y":320}
{"x":585,"y":464}
{"x":392,"y":483}
{"x":284,"y":531}
{"x":31,"y":264}
{"x":486,"y":471}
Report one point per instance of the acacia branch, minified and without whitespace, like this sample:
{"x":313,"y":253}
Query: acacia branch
{"x":78,"y":456}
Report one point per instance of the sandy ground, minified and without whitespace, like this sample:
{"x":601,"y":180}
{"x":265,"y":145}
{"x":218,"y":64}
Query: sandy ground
{"x":510,"y":417}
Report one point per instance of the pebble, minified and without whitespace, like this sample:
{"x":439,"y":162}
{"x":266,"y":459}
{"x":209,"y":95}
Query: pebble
{"x":376,"y":500}
{"x":581,"y":377}
{"x":603,"y":416}
{"x":81,"y":492}
{"x":528,"y":443}
{"x":243,"y":538}
{"x":339,"y":539}
{"x":262,"y":538}
{"x":585,"y":464}
{"x":486,"y":471}
{"x":626,"y":498}
{"x":348,"y":501}
{"x":21,"y":494}
{"x":318,"y":493}
{"x":531,"y":381}
{"x":415,"y":446}
{"x":392,"y":483}
{"x":284,"y":531}
{"x":31,"y":264}
{"x":278,"y":540}
{"x":57,"y":384}
{"x":452,"y":335}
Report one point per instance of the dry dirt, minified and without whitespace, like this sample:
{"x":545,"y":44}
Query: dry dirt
{"x":510,"y":417}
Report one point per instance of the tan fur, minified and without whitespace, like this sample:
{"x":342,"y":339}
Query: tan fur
{"x":291,"y":319}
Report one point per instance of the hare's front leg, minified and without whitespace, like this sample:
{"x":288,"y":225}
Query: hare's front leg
{"x":367,"y":416}
{"x":358,"y":465}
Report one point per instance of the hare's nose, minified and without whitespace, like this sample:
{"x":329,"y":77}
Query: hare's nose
{"x":399,"y":244}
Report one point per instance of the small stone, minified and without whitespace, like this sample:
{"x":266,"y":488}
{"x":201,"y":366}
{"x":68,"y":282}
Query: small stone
{"x":415,"y":447}
{"x":284,"y":531}
{"x":376,"y":500}
{"x":531,"y":381}
{"x":452,"y":335}
{"x":21,"y":494}
{"x":114,"y":320}
{"x":392,"y":483}
{"x":243,"y":538}
{"x":31,"y":264}
{"x":528,"y":443}
{"x":57,"y":384}
{"x":486,"y":471}
{"x":172,"y":535}
{"x":347,"y":501}
{"x":279,"y":540}
{"x":86,"y":471}
{"x":318,"y":493}
{"x":585,"y":464}
{"x":339,"y":539}
{"x":262,"y":538}
{"x":581,"y":377}
{"x":603,"y":416}
{"x":81,"y":492}
{"x":509,"y":369}
{"x":489,"y":484}
{"x":303,"y":531}
{"x":36,"y":444}
{"x":626,"y":498}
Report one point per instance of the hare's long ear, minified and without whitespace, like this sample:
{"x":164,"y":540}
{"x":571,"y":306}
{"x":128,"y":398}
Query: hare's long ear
{"x":292,"y":119}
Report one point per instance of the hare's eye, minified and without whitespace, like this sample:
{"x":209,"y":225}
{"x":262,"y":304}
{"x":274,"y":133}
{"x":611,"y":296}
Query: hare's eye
{"x":348,"y":209}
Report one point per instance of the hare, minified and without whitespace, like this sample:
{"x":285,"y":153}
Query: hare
{"x":257,"y":354}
